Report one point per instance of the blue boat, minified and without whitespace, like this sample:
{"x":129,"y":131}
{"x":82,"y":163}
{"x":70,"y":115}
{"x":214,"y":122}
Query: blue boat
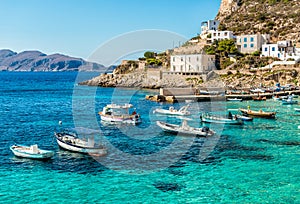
{"x":205,"y":117}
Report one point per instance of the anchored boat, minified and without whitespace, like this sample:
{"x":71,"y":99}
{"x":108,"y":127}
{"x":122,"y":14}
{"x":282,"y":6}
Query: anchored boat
{"x":205,"y":117}
{"x":259,"y":113}
{"x":185,"y":129}
{"x":69,"y":139}
{"x":171,"y":111}
{"x":119,"y":114}
{"x":31,"y":152}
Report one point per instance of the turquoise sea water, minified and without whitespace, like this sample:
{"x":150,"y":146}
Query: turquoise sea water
{"x":258,"y":162}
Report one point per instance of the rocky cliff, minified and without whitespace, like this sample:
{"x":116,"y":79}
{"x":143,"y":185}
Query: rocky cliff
{"x":38,"y":61}
{"x":280,"y":18}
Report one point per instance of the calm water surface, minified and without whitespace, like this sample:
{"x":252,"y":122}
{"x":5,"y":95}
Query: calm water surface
{"x":258,"y":162}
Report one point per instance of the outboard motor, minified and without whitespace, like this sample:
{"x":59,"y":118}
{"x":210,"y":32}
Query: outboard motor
{"x":205,"y":129}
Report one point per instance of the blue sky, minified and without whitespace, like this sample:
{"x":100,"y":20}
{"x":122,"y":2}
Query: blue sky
{"x":78,"y":27}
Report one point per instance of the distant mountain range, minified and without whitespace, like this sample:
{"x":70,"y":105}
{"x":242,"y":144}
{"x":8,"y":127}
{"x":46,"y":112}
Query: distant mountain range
{"x":38,"y":61}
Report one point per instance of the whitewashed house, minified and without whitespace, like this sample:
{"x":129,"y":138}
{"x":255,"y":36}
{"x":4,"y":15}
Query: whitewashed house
{"x":209,"y":25}
{"x":251,"y":43}
{"x":192,"y":64}
{"x":220,"y":35}
{"x":283,"y":50}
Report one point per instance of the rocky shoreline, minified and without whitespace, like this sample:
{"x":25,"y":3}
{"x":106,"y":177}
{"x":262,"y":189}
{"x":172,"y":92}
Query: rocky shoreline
{"x":228,"y":78}
{"x":136,"y":80}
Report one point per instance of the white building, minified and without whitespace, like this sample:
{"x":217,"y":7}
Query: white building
{"x":209,"y":25}
{"x":220,"y":35}
{"x":251,"y":43}
{"x":192,"y":63}
{"x":282,"y":50}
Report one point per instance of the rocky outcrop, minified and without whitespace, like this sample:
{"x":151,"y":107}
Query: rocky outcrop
{"x":136,"y":79}
{"x":38,"y":61}
{"x":280,"y":18}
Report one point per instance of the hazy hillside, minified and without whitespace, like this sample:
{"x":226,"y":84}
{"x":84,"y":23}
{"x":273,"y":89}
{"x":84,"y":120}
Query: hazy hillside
{"x":280,"y":18}
{"x":38,"y":61}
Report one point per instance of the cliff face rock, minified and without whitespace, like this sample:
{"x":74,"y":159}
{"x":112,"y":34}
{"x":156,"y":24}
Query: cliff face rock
{"x":38,"y":61}
{"x":280,"y":18}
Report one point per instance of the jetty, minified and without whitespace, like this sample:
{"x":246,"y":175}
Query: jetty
{"x":174,"y":95}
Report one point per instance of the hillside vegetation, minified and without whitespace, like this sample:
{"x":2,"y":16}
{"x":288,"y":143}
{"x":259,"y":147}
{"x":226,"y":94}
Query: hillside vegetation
{"x":280,"y":18}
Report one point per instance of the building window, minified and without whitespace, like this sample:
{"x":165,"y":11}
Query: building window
{"x":173,"y":59}
{"x":225,"y":33}
{"x":266,"y":49}
{"x":181,"y":59}
{"x":181,"y":68}
{"x":245,"y":45}
{"x":252,"y":39}
{"x":197,"y":58}
{"x":174,"y":68}
{"x":219,"y":34}
{"x":189,"y":59}
{"x":190,"y":68}
{"x":273,"y":49}
{"x":197,"y":67}
{"x":245,"y":39}
{"x":215,"y":34}
{"x":240,"y":40}
{"x":252,"y":45}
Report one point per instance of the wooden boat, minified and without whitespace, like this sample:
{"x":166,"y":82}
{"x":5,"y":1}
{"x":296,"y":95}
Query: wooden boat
{"x":31,"y":152}
{"x":185,"y":129}
{"x":259,"y":98}
{"x":235,"y":99}
{"x":171,"y":111}
{"x":259,"y":113}
{"x":69,"y":139}
{"x":205,"y":117}
{"x":119,"y":114}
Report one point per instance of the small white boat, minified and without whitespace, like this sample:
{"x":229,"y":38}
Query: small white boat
{"x":235,"y":99}
{"x":185,"y":129}
{"x":69,"y":139}
{"x":297,"y":109}
{"x":119,"y":114}
{"x":31,"y":152}
{"x":289,"y":101}
{"x":294,"y":96}
{"x":205,"y":117}
{"x":171,"y":111}
{"x":276,"y":98}
{"x":244,"y":118}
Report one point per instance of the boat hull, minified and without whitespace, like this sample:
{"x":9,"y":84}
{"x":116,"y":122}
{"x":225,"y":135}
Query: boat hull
{"x":259,"y":114}
{"x":168,"y":112}
{"x":76,"y":148}
{"x":214,"y":119}
{"x":189,"y":131}
{"x":42,"y":155}
{"x":114,"y":119}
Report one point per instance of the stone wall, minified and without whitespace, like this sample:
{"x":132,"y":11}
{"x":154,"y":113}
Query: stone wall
{"x":177,"y":91}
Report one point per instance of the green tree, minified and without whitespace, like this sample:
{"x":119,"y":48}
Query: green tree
{"x":226,"y":47}
{"x":149,"y":54}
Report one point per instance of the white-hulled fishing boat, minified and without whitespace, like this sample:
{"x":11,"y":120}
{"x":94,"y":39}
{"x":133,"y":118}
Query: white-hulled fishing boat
{"x":185,"y":129}
{"x":119,"y":114}
{"x":69,"y":139}
{"x":31,"y":152}
{"x":171,"y":111}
